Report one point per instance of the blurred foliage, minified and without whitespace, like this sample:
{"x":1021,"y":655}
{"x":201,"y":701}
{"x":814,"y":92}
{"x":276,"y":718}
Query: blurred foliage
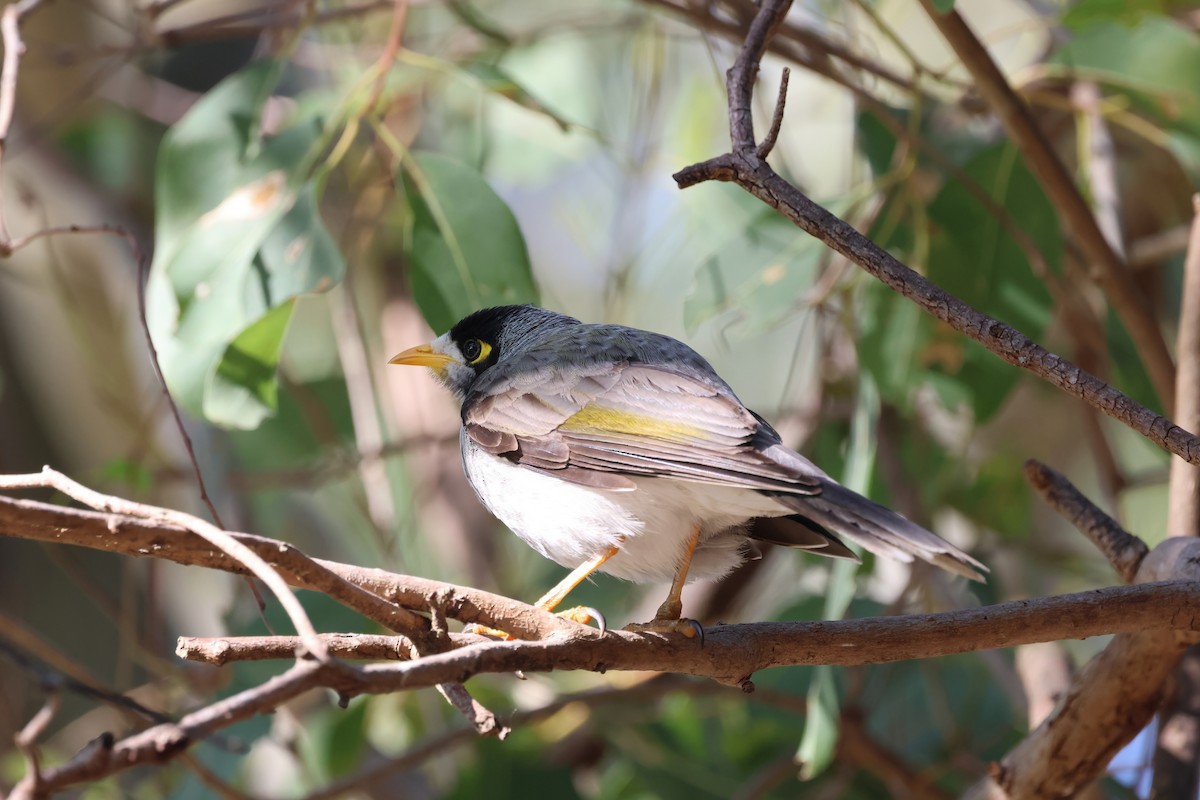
{"x":315,"y":209}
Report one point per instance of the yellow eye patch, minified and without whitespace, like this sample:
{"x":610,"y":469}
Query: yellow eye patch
{"x":476,"y":351}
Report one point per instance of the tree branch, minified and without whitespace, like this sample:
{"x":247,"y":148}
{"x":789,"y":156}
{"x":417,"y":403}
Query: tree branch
{"x":1112,"y":699}
{"x":1122,"y":549}
{"x":1178,"y":747}
{"x":743,"y":167}
{"x":213,"y":535}
{"x":1111,"y":273}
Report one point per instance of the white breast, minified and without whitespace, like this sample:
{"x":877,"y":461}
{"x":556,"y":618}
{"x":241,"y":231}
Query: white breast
{"x":569,"y":524}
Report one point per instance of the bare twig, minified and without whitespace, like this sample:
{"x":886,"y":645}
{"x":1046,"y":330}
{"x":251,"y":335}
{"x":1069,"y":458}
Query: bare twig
{"x":1122,"y":549}
{"x":219,"y":651}
{"x":1111,"y":273}
{"x":742,"y":166}
{"x":258,"y":20}
{"x":31,"y":784}
{"x":227,"y":543}
{"x":1150,"y":250}
{"x":1101,"y":162}
{"x":815,"y":46}
{"x":483,"y":721}
{"x":197,"y":473}
{"x":768,"y":142}
{"x":14,"y":48}
{"x":28,"y":519}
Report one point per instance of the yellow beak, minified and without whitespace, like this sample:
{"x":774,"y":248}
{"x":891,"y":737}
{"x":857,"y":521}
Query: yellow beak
{"x":422,"y":356}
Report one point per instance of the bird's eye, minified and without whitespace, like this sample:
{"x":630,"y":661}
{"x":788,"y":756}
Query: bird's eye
{"x":475,"y":350}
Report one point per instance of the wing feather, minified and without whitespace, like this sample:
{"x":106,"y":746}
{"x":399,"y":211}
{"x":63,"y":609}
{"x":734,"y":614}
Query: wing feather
{"x":636,"y":419}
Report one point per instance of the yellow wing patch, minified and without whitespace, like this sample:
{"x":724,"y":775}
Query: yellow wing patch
{"x":599,"y":420}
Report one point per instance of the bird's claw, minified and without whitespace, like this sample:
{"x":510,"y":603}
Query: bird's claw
{"x":483,"y":630}
{"x":585,"y":614}
{"x":683,"y":626}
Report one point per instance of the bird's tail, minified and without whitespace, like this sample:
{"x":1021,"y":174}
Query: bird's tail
{"x":880,"y":530}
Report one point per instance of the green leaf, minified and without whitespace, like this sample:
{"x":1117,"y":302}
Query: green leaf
{"x":756,"y":276}
{"x":1155,"y":61}
{"x":467,"y":251}
{"x":497,"y":81}
{"x":1125,"y":12}
{"x":942,"y":6}
{"x":819,"y":742}
{"x":973,"y":256}
{"x":242,"y":391}
{"x":238,"y":235}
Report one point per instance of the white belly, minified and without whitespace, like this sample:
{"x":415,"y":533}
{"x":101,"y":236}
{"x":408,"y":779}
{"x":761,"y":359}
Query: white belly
{"x":570,"y":524}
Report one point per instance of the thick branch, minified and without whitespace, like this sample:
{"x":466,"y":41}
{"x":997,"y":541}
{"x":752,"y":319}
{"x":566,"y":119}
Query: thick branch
{"x":1178,"y":749}
{"x":1112,"y":699}
{"x":759,"y":179}
{"x":1183,"y":512}
{"x":115,"y":533}
{"x":214,"y":536}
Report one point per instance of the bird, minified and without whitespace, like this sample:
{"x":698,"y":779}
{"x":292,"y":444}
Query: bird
{"x":614,"y":449}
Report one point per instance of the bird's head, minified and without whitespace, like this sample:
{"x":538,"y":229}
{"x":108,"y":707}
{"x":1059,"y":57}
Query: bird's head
{"x":479,"y":341}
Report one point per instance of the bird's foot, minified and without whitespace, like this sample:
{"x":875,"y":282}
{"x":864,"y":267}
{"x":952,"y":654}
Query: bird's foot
{"x":581,"y":614}
{"x":681,"y":625}
{"x":476,"y":629}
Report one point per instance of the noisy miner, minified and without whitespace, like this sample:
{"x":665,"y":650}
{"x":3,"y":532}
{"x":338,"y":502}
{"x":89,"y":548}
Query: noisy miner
{"x":620,"y":450}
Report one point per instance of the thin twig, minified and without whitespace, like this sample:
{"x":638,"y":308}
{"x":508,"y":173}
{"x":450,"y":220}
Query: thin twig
{"x":768,"y":142}
{"x":29,"y":519}
{"x":220,"y":651}
{"x":742,"y":166}
{"x":1101,"y":161}
{"x":215,"y":536}
{"x":482,"y":720}
{"x":142,"y":276}
{"x":31,"y":785}
{"x":1123,"y":550}
{"x":1111,"y":273}
{"x":14,"y":48}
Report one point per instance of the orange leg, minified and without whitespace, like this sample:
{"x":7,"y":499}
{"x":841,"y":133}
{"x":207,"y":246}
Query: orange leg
{"x":670,"y":614}
{"x":550,"y":600}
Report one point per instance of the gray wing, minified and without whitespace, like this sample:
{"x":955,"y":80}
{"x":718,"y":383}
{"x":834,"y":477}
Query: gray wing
{"x":595,"y":424}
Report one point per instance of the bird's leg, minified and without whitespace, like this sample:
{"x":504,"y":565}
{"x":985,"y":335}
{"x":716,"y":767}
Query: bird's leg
{"x":550,"y":600}
{"x":670,"y":614}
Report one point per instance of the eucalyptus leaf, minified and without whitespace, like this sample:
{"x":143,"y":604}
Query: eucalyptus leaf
{"x":974,"y":257}
{"x":243,"y":391}
{"x":467,"y":250}
{"x":238,"y":236}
